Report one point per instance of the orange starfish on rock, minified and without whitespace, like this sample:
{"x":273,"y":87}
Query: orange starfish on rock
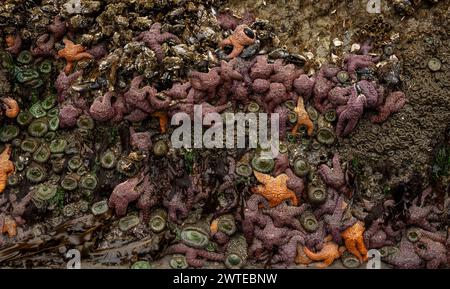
{"x":302,"y":118}
{"x":214,"y":227}
{"x":9,"y":40}
{"x":6,"y":167}
{"x":14,"y":44}
{"x":241,"y":37}
{"x":354,"y":241}
{"x":72,"y":52}
{"x":163,"y":120}
{"x":12,"y":108}
{"x":301,"y":257}
{"x":330,"y":252}
{"x":9,"y":226}
{"x":273,"y":189}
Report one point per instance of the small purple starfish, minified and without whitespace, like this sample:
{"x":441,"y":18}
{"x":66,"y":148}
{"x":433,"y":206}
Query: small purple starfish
{"x":63,"y":83}
{"x":153,"y":38}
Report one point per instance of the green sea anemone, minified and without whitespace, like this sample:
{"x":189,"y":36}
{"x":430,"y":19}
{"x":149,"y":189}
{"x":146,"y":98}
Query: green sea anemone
{"x":45,"y":67}
{"x":349,"y":260}
{"x":128,"y":222}
{"x":141,"y":265}
{"x":69,"y":182}
{"x":53,"y":123}
{"x":292,"y":117}
{"x":194,"y":237}
{"x":178,"y":261}
{"x":99,"y":208}
{"x":8,"y":132}
{"x":73,"y":147}
{"x":226,"y":224}
{"x":88,"y":181}
{"x":283,"y":148}
{"x":74,"y":162}
{"x":38,"y":127}
{"x":326,"y":136}
{"x":313,"y":114}
{"x":43,"y":194}
{"x":13,"y":180}
{"x":49,"y":102}
{"x":58,"y":145}
{"x":29,"y":78}
{"x":24,"y":118}
{"x":413,"y":235}
{"x":253,"y":107}
{"x":301,"y":131}
{"x":57,"y":161}
{"x":37,"y":111}
{"x":160,"y":148}
{"x":24,"y":57}
{"x":263,"y":164}
{"x":82,"y":171}
{"x":6,"y":60}
{"x":244,"y":170}
{"x":108,"y":160}
{"x":53,"y":112}
{"x":69,"y":210}
{"x":158,"y":221}
{"x":330,"y":115}
{"x":434,"y":64}
{"x":315,"y":145}
{"x":383,"y":252}
{"x":301,"y":168}
{"x":236,"y":252}
{"x":290,"y":104}
{"x":49,"y":136}
{"x":316,"y":195}
{"x":35,"y":173}
{"x":291,"y":138}
{"x":42,"y":154}
{"x":309,"y":222}
{"x":343,"y":76}
{"x":85,"y":122}
{"x":233,"y":261}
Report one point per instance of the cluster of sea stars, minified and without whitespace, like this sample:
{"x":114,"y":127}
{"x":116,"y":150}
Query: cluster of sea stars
{"x":350,"y":91}
{"x":276,"y":219}
{"x":306,"y":233}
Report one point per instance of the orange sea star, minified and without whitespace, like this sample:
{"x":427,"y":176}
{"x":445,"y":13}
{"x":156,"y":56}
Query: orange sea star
{"x":6,"y":167}
{"x":12,"y":108}
{"x":302,"y":118}
{"x":327,"y":254}
{"x":9,"y":226}
{"x":354,"y":240}
{"x":275,"y":189}
{"x":72,"y":52}
{"x":241,"y":37}
{"x":163,"y":120}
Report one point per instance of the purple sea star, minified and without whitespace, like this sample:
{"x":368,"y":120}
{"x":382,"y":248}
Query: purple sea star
{"x":140,"y":140}
{"x":63,"y":83}
{"x":350,"y":115}
{"x":153,"y":38}
{"x":44,"y":46}
{"x":123,"y":194}
{"x":394,"y":102}
{"x":194,"y":257}
{"x":101,"y":108}
{"x":334,"y":177}
{"x":405,"y":257}
{"x":68,"y":115}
